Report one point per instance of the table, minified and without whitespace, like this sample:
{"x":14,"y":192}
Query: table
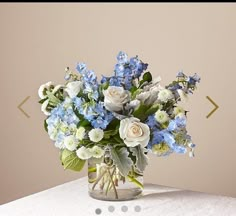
{"x":72,"y":199}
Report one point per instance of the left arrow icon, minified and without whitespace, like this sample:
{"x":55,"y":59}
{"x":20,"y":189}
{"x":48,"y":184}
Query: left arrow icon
{"x":19,"y":106}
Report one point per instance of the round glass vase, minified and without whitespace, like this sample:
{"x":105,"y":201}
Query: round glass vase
{"x":105,"y":181}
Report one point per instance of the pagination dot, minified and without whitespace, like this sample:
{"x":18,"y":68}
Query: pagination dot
{"x":111,"y":208}
{"x":137,"y":208}
{"x":124,"y":208}
{"x":98,"y":211}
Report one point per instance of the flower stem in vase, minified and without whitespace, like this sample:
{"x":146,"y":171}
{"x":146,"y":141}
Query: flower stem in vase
{"x":113,"y":185}
{"x":98,"y":179}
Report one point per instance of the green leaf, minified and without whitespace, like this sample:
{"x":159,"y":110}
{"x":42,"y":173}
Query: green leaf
{"x":42,"y":100}
{"x":52,"y":98}
{"x":45,"y":124}
{"x":141,"y":158}
{"x":109,"y":133}
{"x":153,"y":109}
{"x":121,"y":159}
{"x":147,"y":77}
{"x":139,"y":112}
{"x":70,"y":161}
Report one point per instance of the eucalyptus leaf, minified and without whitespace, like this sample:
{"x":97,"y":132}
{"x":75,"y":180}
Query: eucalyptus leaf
{"x":122,"y":160}
{"x":141,"y":158}
{"x":70,"y":161}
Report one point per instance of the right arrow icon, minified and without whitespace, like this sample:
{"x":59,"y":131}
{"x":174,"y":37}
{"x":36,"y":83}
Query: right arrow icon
{"x":216,"y":106}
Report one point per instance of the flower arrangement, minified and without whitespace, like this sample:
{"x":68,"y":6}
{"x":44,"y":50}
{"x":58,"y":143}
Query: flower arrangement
{"x":129,"y":113}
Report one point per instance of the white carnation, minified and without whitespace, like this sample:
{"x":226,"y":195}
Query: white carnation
{"x":97,"y":152}
{"x":70,"y":143}
{"x":84,"y":153}
{"x":96,"y":135}
{"x":165,"y":95}
{"x":161,"y":116}
{"x":73,"y":88}
{"x":80,"y":133}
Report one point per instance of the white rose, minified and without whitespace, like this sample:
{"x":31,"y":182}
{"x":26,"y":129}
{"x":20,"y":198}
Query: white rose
{"x":73,"y":88}
{"x":84,"y":153}
{"x":133,"y":132}
{"x":96,"y":135}
{"x":115,"y":98}
{"x":42,"y":88}
{"x":165,"y":95}
{"x":44,"y":107}
{"x":80,"y":133}
{"x":183,"y":96}
{"x":97,"y":152}
{"x":161,"y":116}
{"x":70,"y":143}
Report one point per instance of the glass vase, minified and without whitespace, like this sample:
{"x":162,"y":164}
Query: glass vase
{"x":105,"y":182}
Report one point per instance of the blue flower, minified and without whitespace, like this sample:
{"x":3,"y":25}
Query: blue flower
{"x":122,"y":57}
{"x":115,"y":81}
{"x":104,"y":79}
{"x":119,"y":70}
{"x":177,"y":124}
{"x":151,"y":121}
{"x":78,"y":102}
{"x":81,"y":67}
{"x":99,"y":122}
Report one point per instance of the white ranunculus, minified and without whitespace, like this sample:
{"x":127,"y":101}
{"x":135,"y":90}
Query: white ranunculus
{"x":96,"y":135}
{"x":161,"y":116}
{"x":80,"y":133}
{"x":73,"y":88}
{"x":115,"y":98}
{"x":44,"y":107}
{"x":133,"y":132}
{"x":70,"y":143}
{"x":183,"y":96}
{"x":84,"y":153}
{"x":178,"y":110}
{"x":42,"y":88}
{"x":165,"y":95}
{"x":97,"y":152}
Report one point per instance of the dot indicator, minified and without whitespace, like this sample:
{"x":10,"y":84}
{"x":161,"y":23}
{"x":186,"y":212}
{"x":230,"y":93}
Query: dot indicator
{"x":111,"y":208}
{"x":137,"y":208}
{"x":124,"y":208}
{"x":98,"y":211}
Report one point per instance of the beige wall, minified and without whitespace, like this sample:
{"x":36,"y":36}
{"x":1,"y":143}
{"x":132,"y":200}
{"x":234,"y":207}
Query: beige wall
{"x":37,"y":41}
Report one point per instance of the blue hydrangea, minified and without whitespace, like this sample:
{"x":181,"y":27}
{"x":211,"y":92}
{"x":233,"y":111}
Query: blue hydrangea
{"x":81,"y":67}
{"x":122,"y":57}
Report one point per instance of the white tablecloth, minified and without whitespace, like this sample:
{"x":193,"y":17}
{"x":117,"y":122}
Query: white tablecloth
{"x":72,"y":199}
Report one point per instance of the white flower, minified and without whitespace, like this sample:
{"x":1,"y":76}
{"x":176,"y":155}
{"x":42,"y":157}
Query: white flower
{"x":42,"y":88}
{"x":70,"y":143}
{"x":80,"y":133}
{"x":73,"y":88}
{"x":84,"y":153}
{"x":115,"y":98}
{"x":96,"y":135}
{"x":97,"y":152}
{"x":178,"y":110}
{"x":133,"y":132}
{"x":165,"y":95}
{"x":133,"y":104}
{"x":44,"y":108}
{"x":183,"y":96}
{"x":161,"y":116}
